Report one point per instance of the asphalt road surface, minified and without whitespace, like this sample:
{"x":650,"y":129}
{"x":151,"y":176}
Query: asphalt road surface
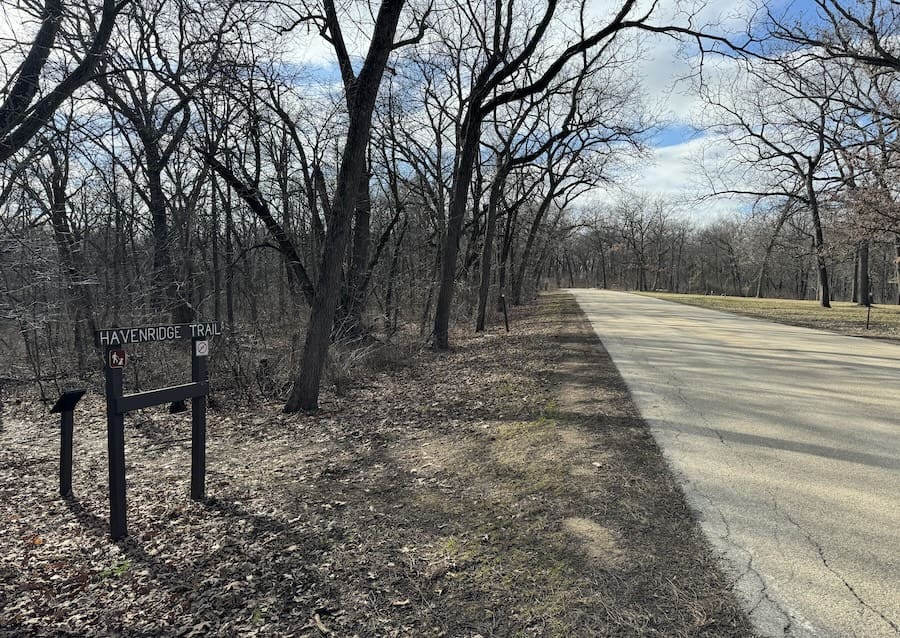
{"x":787,"y":443}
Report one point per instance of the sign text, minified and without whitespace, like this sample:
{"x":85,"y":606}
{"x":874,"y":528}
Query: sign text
{"x":142,"y":334}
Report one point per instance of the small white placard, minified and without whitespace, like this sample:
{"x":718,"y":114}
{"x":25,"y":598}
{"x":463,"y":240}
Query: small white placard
{"x":202,"y":348}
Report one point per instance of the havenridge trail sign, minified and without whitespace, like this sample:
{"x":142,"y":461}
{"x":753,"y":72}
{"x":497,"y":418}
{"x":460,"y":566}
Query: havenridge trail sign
{"x":114,"y":340}
{"x":143,"y":334}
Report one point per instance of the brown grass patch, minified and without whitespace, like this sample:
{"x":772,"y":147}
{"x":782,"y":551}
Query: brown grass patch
{"x":843,"y":317}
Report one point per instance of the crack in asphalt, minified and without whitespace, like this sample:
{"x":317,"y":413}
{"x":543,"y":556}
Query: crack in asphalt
{"x":748,"y":570}
{"x":764,"y":595}
{"x":821,"y":552}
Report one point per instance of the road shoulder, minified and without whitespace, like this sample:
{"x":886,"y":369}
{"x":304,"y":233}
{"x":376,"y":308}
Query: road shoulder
{"x":506,"y":488}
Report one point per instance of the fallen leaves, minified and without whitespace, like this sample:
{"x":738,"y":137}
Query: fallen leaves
{"x":391,"y":512}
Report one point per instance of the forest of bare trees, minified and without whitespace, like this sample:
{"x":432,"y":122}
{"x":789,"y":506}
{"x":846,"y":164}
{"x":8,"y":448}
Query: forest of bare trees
{"x":174,"y":160}
{"x":806,"y":110}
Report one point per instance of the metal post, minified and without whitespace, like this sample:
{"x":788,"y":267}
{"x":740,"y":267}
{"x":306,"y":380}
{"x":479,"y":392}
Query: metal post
{"x":869,"y":309}
{"x":198,"y":422}
{"x":67,"y":427}
{"x":115,"y":441}
{"x":505,"y":316}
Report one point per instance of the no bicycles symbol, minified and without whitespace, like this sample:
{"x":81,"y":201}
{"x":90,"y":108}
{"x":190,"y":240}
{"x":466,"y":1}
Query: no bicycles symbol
{"x":202,"y":348}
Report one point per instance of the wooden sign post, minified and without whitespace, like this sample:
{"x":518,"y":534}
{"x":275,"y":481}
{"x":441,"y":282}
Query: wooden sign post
{"x":65,"y":407}
{"x":114,"y":340}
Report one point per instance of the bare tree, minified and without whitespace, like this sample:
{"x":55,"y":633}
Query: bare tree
{"x":849,"y":30}
{"x":29,"y":102}
{"x":783,"y":121}
{"x":510,"y":46}
{"x":154,"y":100}
{"x":363,"y":91}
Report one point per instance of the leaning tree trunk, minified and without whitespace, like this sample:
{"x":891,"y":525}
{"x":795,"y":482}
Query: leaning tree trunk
{"x":462,"y":178}
{"x":305,"y":391}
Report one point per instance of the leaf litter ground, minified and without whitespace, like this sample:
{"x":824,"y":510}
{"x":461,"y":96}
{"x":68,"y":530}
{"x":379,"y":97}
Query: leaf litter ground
{"x":508,"y":488}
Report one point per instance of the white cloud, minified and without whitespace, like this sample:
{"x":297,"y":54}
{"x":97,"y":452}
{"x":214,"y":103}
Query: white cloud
{"x":668,"y":70}
{"x":307,"y":48}
{"x":678,"y":175}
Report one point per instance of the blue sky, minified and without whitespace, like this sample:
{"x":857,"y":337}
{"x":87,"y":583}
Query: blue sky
{"x":673,"y":135}
{"x":679,"y":153}
{"x":676,"y":171}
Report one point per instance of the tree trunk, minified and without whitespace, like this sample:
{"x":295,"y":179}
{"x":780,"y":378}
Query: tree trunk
{"x":862,"y":273}
{"x":229,"y":260}
{"x":433,"y":283}
{"x":216,"y":265}
{"x":162,"y":280}
{"x":818,"y":245}
{"x":770,"y":246}
{"x":487,"y":254}
{"x":462,"y":177}
{"x":508,"y":229}
{"x":569,"y":271}
{"x":186,"y":305}
{"x":735,"y":272}
{"x":519,"y":276}
{"x":602,"y":265}
{"x":475,"y":228}
{"x":305,"y":392}
{"x":487,"y":251}
{"x":761,"y":275}
{"x":897,"y":265}
{"x":77,"y":294}
{"x":20,"y":118}
{"x":389,"y":316}
{"x":355,"y":299}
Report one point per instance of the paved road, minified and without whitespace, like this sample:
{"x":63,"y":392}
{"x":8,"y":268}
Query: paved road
{"x":787,"y":441}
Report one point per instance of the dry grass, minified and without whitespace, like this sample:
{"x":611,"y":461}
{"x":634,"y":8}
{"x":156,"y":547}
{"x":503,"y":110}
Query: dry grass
{"x":843,"y":317}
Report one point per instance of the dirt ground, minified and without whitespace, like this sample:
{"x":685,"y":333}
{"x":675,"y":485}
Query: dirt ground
{"x":508,"y":488}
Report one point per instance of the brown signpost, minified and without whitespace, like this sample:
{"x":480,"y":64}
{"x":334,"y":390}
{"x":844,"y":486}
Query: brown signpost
{"x":114,"y":340}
